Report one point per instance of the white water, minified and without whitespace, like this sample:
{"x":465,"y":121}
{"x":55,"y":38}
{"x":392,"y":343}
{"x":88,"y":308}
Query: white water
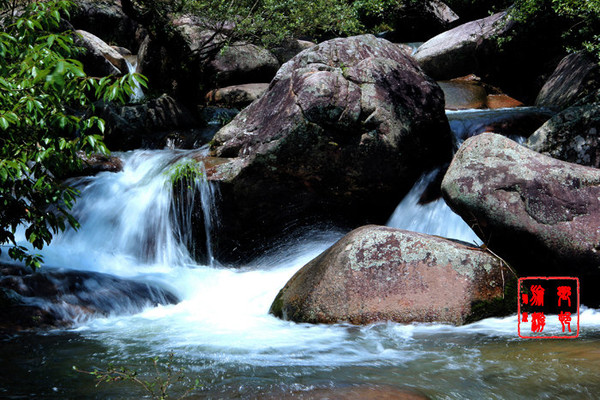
{"x":222,"y":332}
{"x":433,"y":218}
{"x":138,"y":93}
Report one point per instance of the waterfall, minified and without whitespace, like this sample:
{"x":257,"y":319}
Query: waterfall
{"x":138,"y":93}
{"x":435,"y":217}
{"x":189,"y":185}
{"x":136,"y":218}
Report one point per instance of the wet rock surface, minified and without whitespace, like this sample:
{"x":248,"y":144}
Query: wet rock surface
{"x":344,"y":130}
{"x":377,"y":273}
{"x":58,"y":298}
{"x":539,"y":213}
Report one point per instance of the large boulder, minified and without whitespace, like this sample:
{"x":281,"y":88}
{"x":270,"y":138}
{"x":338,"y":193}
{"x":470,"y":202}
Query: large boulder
{"x":57,"y":298}
{"x":241,"y":63}
{"x":154,"y":124}
{"x":454,"y":53}
{"x":378,"y":273}
{"x":344,"y":130}
{"x":506,"y":53}
{"x":571,"y":135}
{"x":538,"y":213}
{"x":577,"y":76}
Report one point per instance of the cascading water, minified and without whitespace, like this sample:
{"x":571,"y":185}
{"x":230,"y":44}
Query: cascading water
{"x":433,"y":218}
{"x":222,"y":334}
{"x":138,"y":93}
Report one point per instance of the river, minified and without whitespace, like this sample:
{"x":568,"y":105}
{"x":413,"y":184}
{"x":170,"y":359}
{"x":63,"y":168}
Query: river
{"x":221,"y":333}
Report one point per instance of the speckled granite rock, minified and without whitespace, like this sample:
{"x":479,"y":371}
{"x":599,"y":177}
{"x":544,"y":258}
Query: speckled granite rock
{"x":378,"y":273}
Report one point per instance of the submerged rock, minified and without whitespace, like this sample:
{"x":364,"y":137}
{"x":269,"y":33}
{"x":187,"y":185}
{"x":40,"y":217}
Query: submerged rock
{"x":344,"y":130}
{"x":58,"y":298}
{"x":571,"y":135}
{"x":378,"y":273}
{"x":540,"y":214}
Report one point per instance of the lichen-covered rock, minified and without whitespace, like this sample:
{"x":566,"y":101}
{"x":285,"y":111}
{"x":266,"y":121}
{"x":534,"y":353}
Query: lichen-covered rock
{"x":378,"y":273}
{"x":57,"y":298}
{"x":540,"y":214}
{"x":571,"y":135}
{"x":344,"y":129}
{"x":577,"y":76}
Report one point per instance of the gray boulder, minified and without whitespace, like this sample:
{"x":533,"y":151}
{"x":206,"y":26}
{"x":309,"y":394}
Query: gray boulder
{"x":538,"y":213}
{"x":378,"y":273}
{"x":344,"y":129}
{"x":242,"y":63}
{"x":504,"y":52}
{"x":576,"y":76}
{"x":106,"y":19}
{"x":99,"y":48}
{"x":571,"y":135}
{"x":453,"y":53}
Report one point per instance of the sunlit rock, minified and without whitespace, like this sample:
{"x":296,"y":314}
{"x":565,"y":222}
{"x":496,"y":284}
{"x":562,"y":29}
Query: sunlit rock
{"x":377,"y":273}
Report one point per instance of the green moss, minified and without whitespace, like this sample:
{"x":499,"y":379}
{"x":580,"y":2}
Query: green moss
{"x":497,"y":307}
{"x":277,"y":306}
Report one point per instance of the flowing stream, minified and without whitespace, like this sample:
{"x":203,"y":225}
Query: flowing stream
{"x":221,"y":332}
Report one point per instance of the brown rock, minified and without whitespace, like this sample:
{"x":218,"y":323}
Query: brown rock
{"x":502,"y":101}
{"x":538,"y":213}
{"x":463,"y":95}
{"x":237,"y":96}
{"x":377,"y":273}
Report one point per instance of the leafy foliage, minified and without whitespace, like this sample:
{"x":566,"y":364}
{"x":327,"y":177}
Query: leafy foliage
{"x":165,"y":377}
{"x":185,"y":173}
{"x":580,"y":17}
{"x":46,"y":117}
{"x":266,"y":22}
